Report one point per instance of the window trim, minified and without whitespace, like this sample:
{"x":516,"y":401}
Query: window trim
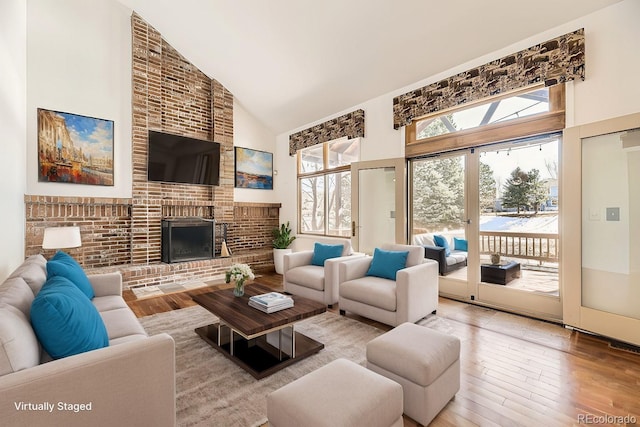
{"x":537,"y":124}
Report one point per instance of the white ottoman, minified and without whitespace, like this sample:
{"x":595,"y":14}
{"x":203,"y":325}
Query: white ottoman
{"x":425,"y":362}
{"x":341,"y":393}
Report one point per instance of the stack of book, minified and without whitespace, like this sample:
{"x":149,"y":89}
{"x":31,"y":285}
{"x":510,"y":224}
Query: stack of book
{"x":271,"y":302}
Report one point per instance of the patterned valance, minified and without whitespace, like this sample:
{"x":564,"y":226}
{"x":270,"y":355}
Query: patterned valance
{"x":554,"y":61}
{"x":350,"y":125}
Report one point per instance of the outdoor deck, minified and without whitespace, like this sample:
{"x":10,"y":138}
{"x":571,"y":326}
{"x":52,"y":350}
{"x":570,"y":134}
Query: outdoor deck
{"x":533,"y":277}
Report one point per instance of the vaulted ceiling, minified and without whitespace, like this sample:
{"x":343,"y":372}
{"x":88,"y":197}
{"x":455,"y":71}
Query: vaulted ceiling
{"x":292,"y":62}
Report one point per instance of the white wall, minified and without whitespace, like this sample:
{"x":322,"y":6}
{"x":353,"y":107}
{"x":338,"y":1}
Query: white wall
{"x":13,"y":42}
{"x":610,"y":89}
{"x":250,"y":133}
{"x":79,"y":61}
{"x":611,"y":86}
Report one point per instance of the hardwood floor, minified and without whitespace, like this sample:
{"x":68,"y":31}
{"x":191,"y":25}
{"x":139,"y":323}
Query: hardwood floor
{"x":515,"y":370}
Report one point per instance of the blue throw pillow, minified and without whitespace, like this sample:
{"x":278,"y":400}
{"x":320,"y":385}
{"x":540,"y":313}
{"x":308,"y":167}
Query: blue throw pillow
{"x":63,"y":264}
{"x":460,"y":244}
{"x":386,"y":264}
{"x":442,"y":242}
{"x":322,"y":252}
{"x":65,"y":321}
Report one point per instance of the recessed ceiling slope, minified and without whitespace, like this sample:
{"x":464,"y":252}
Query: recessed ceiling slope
{"x":292,"y":62}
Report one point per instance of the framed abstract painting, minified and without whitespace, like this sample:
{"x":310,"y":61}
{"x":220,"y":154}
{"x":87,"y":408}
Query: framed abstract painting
{"x":74,"y":149}
{"x":253,"y":169}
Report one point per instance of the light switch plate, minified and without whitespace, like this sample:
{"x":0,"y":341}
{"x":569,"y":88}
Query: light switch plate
{"x":613,"y":214}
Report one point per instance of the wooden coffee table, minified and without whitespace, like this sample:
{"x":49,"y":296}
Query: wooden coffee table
{"x":258,"y":342}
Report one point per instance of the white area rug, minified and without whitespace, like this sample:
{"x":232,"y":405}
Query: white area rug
{"x":213,"y":391}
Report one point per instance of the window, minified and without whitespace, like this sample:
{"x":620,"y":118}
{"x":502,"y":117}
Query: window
{"x":324,"y":187}
{"x":532,"y":111}
{"x":496,"y":111}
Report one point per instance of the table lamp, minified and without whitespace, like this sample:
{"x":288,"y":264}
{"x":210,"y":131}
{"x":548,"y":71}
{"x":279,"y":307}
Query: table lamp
{"x":61,"y":238}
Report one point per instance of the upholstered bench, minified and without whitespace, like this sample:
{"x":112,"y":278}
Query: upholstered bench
{"x":425,"y":362}
{"x":341,"y":393}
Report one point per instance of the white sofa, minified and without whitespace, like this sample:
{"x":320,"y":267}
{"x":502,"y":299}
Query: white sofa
{"x":412,"y":296}
{"x":315,"y":282}
{"x":130,"y":382}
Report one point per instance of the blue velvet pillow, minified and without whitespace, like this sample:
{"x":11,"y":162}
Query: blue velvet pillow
{"x":322,"y":252}
{"x":460,"y":244}
{"x":65,"y":321}
{"x":442,"y":242}
{"x":63,"y":264}
{"x":386,"y":264}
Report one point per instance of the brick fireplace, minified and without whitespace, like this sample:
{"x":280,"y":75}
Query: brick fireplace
{"x":171,"y":95}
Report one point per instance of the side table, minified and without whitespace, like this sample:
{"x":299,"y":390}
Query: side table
{"x":500,"y":274}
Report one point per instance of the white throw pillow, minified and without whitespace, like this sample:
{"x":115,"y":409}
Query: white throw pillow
{"x":425,"y":239}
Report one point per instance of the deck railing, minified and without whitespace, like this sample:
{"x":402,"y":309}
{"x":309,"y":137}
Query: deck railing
{"x":536,"y":246}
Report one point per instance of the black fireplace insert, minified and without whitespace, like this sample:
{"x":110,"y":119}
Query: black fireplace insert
{"x":187,"y":239}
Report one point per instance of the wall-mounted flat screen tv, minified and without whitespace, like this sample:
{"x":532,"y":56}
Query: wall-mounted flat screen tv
{"x":175,"y":158}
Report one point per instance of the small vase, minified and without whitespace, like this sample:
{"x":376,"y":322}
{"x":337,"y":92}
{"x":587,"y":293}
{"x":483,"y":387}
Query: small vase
{"x":238,"y":290}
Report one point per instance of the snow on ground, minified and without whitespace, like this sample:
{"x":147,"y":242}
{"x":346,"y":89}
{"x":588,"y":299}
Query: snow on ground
{"x":534,"y":224}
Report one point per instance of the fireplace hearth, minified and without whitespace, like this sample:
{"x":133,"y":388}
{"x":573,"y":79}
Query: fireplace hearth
{"x":187,"y":239}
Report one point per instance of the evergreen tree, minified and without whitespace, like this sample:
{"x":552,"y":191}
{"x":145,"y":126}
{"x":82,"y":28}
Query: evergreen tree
{"x":524,"y":190}
{"x":516,"y":190}
{"x":487,"y":188}
{"x":536,"y":188}
{"x":438,"y":193}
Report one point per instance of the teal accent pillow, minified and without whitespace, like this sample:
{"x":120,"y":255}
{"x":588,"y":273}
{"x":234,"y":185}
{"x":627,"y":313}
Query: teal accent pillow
{"x":442,"y":242}
{"x":63,"y":264}
{"x":65,"y":321}
{"x":322,"y":252}
{"x":460,"y":244}
{"x":386,"y":264}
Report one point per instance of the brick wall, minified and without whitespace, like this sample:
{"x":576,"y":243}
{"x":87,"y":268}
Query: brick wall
{"x":169,"y":94}
{"x":105,"y":227}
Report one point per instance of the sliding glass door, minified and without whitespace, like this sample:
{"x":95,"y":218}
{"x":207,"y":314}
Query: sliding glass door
{"x":489,"y":216}
{"x":439,"y":217}
{"x":518,"y":235}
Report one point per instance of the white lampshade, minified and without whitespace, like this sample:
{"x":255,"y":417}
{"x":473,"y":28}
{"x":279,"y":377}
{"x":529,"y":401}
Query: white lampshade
{"x":61,"y":238}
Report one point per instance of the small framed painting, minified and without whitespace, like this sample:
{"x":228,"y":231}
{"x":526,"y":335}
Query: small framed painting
{"x":74,"y":149}
{"x":253,"y":169}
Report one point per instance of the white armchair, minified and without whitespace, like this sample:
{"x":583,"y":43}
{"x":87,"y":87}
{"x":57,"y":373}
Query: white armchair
{"x":412,"y":296}
{"x":319,"y":283}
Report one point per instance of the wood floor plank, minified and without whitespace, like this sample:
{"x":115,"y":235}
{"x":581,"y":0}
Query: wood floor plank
{"x":514,"y":370}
